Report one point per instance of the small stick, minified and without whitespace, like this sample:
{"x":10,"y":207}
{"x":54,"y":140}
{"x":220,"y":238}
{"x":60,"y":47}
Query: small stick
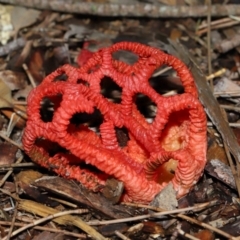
{"x":187,"y":235}
{"x":77,"y":235}
{"x":216,"y":74}
{"x":5,"y":167}
{"x":9,"y":172}
{"x":209,"y":52}
{"x":10,"y":140}
{"x":120,"y":235}
{"x":163,"y":213}
{"x":192,"y":220}
{"x":14,"y":214}
{"x":31,"y":79}
{"x":214,"y":23}
{"x":50,"y":217}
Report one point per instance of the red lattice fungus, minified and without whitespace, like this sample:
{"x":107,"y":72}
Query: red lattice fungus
{"x":177,"y":133}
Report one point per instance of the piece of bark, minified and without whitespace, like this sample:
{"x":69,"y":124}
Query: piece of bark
{"x":221,"y":171}
{"x":24,"y":181}
{"x":79,"y":194}
{"x":113,"y":190}
{"x":232,"y":228}
{"x":7,"y":153}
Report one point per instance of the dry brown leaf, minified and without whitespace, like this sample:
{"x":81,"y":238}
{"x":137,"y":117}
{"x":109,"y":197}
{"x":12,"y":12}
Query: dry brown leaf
{"x":22,"y":17}
{"x":35,"y":66}
{"x":7,"y":153}
{"x":44,"y":211}
{"x":153,"y":228}
{"x":215,"y":151}
{"x":175,"y":34}
{"x":14,"y":80}
{"x":226,"y":85}
{"x":5,"y":95}
{"x":204,"y":234}
{"x":28,"y":177}
{"x":23,"y":93}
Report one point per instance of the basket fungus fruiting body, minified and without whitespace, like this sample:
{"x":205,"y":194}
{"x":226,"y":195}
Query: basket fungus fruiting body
{"x":177,"y":133}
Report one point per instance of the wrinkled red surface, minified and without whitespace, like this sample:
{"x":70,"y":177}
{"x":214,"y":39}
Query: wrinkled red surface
{"x":177,"y":132}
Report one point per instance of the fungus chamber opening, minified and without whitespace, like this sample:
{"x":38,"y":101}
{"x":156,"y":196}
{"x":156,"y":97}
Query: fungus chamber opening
{"x":61,"y":78}
{"x":83,"y":120}
{"x":146,"y":106}
{"x":110,"y":90}
{"x":166,"y":82}
{"x":174,"y":137}
{"x":48,"y":106}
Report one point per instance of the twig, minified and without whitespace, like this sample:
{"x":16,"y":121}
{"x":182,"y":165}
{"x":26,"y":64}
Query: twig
{"x":10,"y":140}
{"x":9,"y":194}
{"x":229,"y":107}
{"x":9,"y":172}
{"x":80,"y":236}
{"x":209,"y":52}
{"x":214,"y":23}
{"x":186,"y":235}
{"x":30,"y":77}
{"x":227,"y":94}
{"x":218,"y":24}
{"x":64,"y":202}
{"x":192,"y":220}
{"x":205,"y":225}
{"x":161,"y":71}
{"x":195,"y":208}
{"x":44,"y":211}
{"x":216,"y":74}
{"x":14,"y":215}
{"x":37,"y":222}
{"x":120,"y":9}
{"x":163,"y":213}
{"x":120,"y":235}
{"x":10,"y":167}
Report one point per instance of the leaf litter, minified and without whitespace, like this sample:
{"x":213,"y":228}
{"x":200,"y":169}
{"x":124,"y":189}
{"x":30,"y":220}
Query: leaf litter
{"x":209,"y":211}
